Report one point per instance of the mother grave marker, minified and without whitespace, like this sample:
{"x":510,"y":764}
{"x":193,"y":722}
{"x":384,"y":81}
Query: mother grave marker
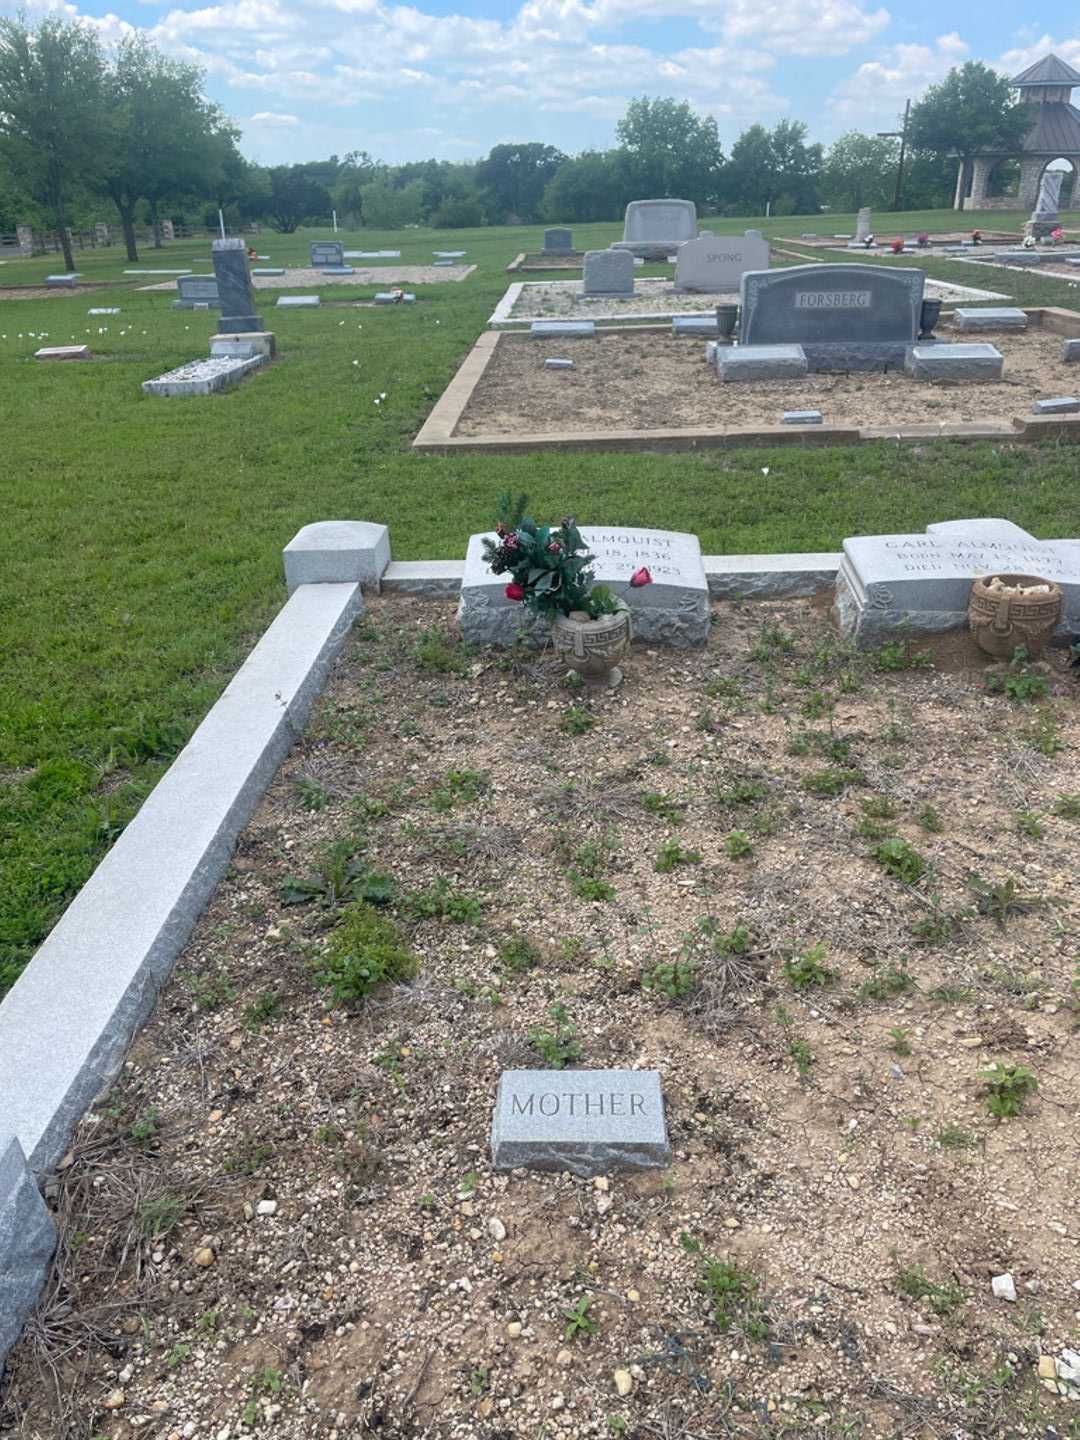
{"x":846,"y":317}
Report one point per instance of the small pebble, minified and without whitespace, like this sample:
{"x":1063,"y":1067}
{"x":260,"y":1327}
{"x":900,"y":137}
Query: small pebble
{"x":1003,"y":1286}
{"x":624,"y":1382}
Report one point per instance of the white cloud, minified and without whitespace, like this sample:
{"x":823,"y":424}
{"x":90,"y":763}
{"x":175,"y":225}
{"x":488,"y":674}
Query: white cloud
{"x":801,"y":27}
{"x":1013,"y":61}
{"x":271,"y":119}
{"x":878,"y":89}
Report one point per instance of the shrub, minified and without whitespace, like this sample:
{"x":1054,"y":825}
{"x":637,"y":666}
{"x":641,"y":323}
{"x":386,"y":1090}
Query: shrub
{"x":364,"y":951}
{"x":900,"y":859}
{"x":1007,"y":1089}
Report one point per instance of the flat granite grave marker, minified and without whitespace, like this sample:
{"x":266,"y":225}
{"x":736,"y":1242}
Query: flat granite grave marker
{"x":558,"y":241}
{"x":564,"y":329}
{"x":654,"y":229}
{"x":760,"y":362}
{"x":236,"y":295}
{"x":716,"y":263}
{"x":1070,"y":351}
{"x":1059,"y":405}
{"x":63,"y":352}
{"x":588,"y":1122}
{"x":608,"y":272}
{"x":990,"y":317}
{"x":195,"y":290}
{"x":968,"y":364}
{"x":846,"y":316}
{"x":920,"y":584}
{"x":327,"y":252}
{"x":299,"y":302}
{"x":67,"y":282}
{"x":673,"y":610}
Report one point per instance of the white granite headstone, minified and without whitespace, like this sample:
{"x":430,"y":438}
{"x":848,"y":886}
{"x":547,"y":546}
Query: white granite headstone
{"x":716,"y":263}
{"x":655,"y":229}
{"x":673,"y":610}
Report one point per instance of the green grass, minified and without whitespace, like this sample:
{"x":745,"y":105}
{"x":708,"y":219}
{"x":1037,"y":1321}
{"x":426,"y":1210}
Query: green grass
{"x":141,"y":551}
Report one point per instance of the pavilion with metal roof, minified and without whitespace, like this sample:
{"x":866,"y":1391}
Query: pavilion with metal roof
{"x":1054,"y":134}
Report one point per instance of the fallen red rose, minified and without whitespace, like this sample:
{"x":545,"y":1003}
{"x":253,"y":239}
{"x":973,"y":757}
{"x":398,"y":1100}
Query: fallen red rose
{"x":515,"y":592}
{"x":639,"y":578}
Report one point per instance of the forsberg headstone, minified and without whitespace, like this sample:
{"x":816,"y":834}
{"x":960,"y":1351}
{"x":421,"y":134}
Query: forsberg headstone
{"x":589,"y":1122}
{"x":716,"y":263}
{"x":673,"y":610}
{"x":920,"y":584}
{"x":846,"y":317}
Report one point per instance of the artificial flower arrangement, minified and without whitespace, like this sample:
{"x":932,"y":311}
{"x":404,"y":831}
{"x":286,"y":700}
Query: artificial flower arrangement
{"x":549,"y":566}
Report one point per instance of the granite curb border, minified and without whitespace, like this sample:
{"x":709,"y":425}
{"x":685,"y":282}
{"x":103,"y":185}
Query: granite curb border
{"x":436,"y":435}
{"x":66,"y":1024}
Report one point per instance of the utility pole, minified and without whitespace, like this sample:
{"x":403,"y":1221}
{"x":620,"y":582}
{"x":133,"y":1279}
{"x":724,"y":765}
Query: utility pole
{"x":900,"y":135}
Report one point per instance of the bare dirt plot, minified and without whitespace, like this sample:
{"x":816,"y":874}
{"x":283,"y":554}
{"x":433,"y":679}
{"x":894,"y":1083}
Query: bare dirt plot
{"x":652,"y":380}
{"x":283,"y":1217}
{"x":303,"y":276}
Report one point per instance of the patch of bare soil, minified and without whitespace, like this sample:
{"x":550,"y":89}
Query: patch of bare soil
{"x":303,"y":276}
{"x":652,"y":380}
{"x":45,"y":292}
{"x":283,"y":1220}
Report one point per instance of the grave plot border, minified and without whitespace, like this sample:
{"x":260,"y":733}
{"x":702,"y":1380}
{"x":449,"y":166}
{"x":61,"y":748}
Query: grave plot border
{"x":436,"y":435}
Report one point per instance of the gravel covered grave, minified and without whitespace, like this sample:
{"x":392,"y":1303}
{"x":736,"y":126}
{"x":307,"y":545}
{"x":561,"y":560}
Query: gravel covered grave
{"x":822,"y":894}
{"x":652,"y":380}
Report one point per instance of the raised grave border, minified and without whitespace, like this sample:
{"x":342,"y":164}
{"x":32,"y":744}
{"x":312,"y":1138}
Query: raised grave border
{"x":67,"y":1023}
{"x":436,"y":435}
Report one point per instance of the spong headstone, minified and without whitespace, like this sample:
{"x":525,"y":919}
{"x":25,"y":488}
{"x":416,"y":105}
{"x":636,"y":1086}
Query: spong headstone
{"x":589,"y":1122}
{"x":716,"y":263}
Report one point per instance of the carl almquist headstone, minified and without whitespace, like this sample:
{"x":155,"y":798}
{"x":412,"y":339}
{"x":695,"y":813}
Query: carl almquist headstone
{"x":586,"y":1121}
{"x":673,"y":610}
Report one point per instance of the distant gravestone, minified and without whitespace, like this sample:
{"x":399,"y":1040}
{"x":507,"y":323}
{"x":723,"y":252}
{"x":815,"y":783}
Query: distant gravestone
{"x":588,"y":1122}
{"x":673,"y":610}
{"x":654,"y":229}
{"x":62,"y":282}
{"x":863,"y":229}
{"x":168,"y":233}
{"x":564,"y":329}
{"x":846,"y":317}
{"x":102,"y":234}
{"x":63,"y":352}
{"x":24,"y":239}
{"x":299,"y":302}
{"x":235,"y":291}
{"x":920,"y":584}
{"x":716,"y":263}
{"x":608,"y":272}
{"x":558,"y":241}
{"x":327,"y":252}
{"x":195,"y":290}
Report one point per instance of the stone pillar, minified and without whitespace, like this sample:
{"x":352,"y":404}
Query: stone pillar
{"x":1031,"y":168}
{"x":24,"y":235}
{"x":958,"y":198}
{"x":980,"y":181}
{"x":235,"y":291}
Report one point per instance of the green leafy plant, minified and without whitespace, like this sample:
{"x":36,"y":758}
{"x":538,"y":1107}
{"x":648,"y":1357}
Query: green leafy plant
{"x":803,"y":1056}
{"x":1044,"y":732}
{"x":579,"y":1323}
{"x":576,"y":720}
{"x":460,"y":787}
{"x":517,"y":953}
{"x":889,"y":981}
{"x":955,"y":1137}
{"x":673,"y":978}
{"x":364,"y":951}
{"x":899,"y":859}
{"x":831,"y":782}
{"x":591,"y":863}
{"x":654,"y":803}
{"x":145,"y":1126}
{"x":263,"y":1011}
{"x":899,"y":1040}
{"x":913,"y":1283}
{"x":733,"y":1294}
{"x":898,"y":655}
{"x":672,"y":854}
{"x":1008,"y":1088}
{"x":440,"y":901}
{"x":930,"y":820}
{"x":742,"y":790}
{"x":343,"y":874}
{"x":1001,"y":900}
{"x":558,"y":1046}
{"x":738,"y":845}
{"x":808,"y":970}
{"x":1029,"y":825}
{"x":1017,"y":680}
{"x":1067,"y":807}
{"x":436,"y":652}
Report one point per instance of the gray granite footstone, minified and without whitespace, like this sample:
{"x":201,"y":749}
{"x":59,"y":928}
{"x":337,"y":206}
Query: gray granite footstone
{"x":269,"y":270}
{"x":1059,"y":405}
{"x":1070,"y":351}
{"x":967,"y":364}
{"x":299,"y":302}
{"x":252,"y":342}
{"x":990,"y":317}
{"x":334,"y":552}
{"x":845,"y":316}
{"x":326,"y":252}
{"x":443,"y":264}
{"x":203,"y":377}
{"x":195,"y":290}
{"x":920,"y":584}
{"x":673,"y":610}
{"x":387,"y":297}
{"x":588,"y":1122}
{"x":760,"y":362}
{"x":104,"y":310}
{"x":63,"y":352}
{"x":236,"y":294}
{"x":608,"y":272}
{"x":802,"y":417}
{"x":67,"y":282}
{"x":694,"y":325}
{"x":337,"y":270}
{"x":565,"y":329}
{"x":27,"y":1241}
{"x":557,"y":364}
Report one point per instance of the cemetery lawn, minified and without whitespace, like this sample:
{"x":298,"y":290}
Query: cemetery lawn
{"x":824,"y":894}
{"x":140,"y":554}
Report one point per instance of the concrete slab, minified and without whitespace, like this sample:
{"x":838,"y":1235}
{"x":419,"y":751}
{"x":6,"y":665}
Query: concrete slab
{"x":203,"y":377}
{"x":27,"y":1241}
{"x":562,"y":329}
{"x":770,"y":577}
{"x":252,"y":342}
{"x":439,"y":579}
{"x":67,"y":1022}
{"x":335,"y":551}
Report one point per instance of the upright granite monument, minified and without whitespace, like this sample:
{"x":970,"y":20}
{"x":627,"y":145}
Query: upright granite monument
{"x":195,"y":290}
{"x":607,"y":272}
{"x":654,"y":229}
{"x":920,"y":584}
{"x":1044,"y":218}
{"x":716,"y":263}
{"x":845,"y":317}
{"x":558,"y":241}
{"x":327,"y":253}
{"x":235,"y":291}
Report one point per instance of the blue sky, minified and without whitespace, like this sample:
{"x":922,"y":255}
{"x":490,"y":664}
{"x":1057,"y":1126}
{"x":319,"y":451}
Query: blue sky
{"x":450,"y":78}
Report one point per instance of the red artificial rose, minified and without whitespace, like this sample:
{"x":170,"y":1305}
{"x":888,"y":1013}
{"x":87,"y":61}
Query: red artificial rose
{"x":515,"y":592}
{"x":639,"y":578}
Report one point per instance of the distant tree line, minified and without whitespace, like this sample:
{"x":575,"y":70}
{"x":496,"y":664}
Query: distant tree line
{"x":88,"y":133}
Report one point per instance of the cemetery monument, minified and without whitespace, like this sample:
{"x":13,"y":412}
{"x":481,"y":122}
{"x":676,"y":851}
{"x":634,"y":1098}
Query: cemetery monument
{"x":235,"y":291}
{"x":608,"y":272}
{"x":717,"y":263}
{"x":654,"y":229}
{"x":588,"y":1122}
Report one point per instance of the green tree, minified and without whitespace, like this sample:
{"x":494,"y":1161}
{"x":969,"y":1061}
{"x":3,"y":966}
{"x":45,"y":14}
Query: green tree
{"x":53,"y":122}
{"x":773,"y":170}
{"x":386,"y":207}
{"x":971,"y":110}
{"x":167,"y":140}
{"x":357,"y":170}
{"x":859,"y":170}
{"x":671,"y":150}
{"x":592,"y":186}
{"x":511,"y":180}
{"x":295,"y":196}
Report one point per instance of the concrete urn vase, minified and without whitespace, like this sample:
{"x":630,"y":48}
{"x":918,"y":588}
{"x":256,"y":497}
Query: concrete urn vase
{"x":1008,"y":611}
{"x":593,"y":647}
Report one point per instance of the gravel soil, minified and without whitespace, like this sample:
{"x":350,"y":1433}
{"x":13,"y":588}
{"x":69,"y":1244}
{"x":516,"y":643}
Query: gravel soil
{"x":656,"y":381}
{"x":282,"y":1219}
{"x":390,"y":274}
